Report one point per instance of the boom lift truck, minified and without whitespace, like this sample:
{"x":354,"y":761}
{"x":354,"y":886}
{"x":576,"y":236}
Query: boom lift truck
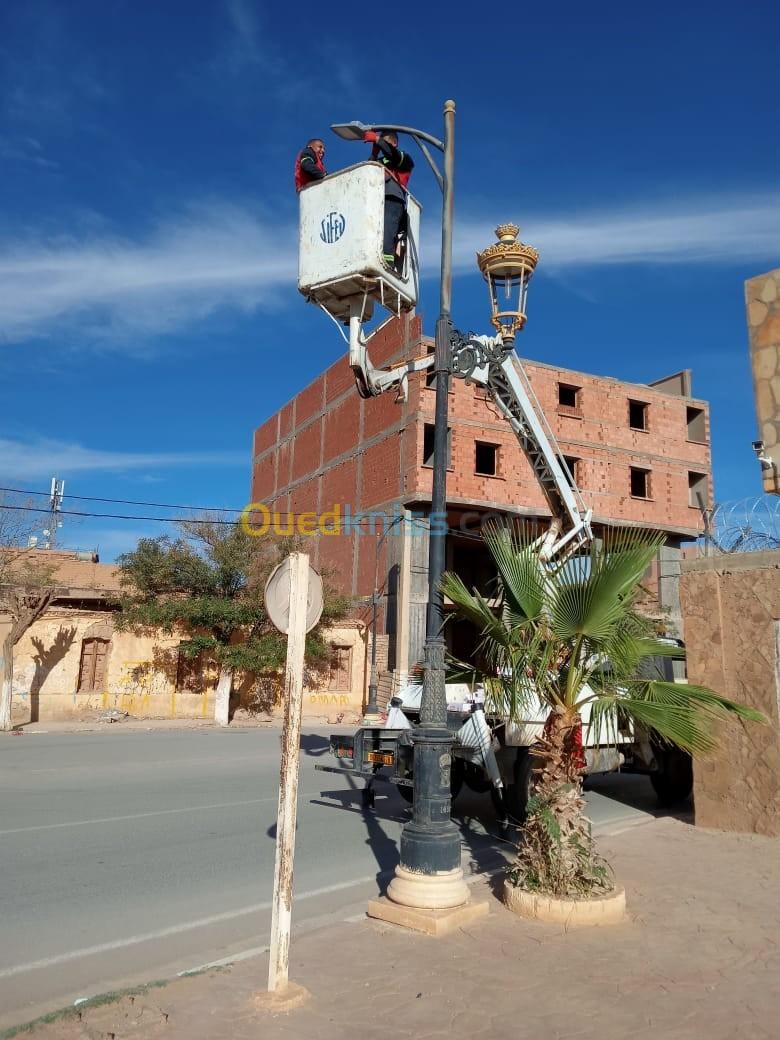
{"x":341,"y":270}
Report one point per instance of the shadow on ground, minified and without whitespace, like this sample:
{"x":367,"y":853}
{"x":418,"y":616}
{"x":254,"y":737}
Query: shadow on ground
{"x":636,"y":792}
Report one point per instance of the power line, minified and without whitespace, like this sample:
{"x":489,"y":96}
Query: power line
{"x":125,"y":501}
{"x":349,"y":522}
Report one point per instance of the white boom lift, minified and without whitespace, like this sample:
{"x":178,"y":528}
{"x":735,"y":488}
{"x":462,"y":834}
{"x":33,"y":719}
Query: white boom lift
{"x":341,"y":269}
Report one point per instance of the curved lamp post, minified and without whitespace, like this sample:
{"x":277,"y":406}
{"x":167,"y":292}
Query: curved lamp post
{"x":429,"y":875}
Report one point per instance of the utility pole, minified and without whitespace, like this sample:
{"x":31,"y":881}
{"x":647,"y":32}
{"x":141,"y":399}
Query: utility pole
{"x":56,"y":495}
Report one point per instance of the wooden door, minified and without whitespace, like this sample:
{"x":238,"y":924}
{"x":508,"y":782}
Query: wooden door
{"x":94,"y":657}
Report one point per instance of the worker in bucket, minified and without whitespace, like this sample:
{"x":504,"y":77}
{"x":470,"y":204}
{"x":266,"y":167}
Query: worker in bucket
{"x":309,"y":165}
{"x":398,"y":169}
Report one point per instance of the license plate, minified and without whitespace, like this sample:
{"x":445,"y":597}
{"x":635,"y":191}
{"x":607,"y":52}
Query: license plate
{"x":380,"y":758}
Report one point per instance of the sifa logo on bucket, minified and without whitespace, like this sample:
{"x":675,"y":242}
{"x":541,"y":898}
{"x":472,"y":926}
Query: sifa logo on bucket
{"x":332,"y":227}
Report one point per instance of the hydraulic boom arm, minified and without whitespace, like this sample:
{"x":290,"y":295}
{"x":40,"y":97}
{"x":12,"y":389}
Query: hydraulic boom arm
{"x":483,"y":360}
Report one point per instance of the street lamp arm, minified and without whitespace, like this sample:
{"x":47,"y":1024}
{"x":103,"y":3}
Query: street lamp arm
{"x":436,"y":172}
{"x":355,"y":130}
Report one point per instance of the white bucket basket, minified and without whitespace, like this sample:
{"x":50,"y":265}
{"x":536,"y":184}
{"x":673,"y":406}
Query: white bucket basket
{"x":340,"y":245}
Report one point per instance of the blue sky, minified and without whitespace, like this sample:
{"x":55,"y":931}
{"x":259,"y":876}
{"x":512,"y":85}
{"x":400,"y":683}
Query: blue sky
{"x":149,"y":319}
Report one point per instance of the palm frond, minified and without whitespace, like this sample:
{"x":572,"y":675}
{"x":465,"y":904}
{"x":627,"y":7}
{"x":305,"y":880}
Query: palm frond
{"x":474,"y":607}
{"x":683,"y":714}
{"x":591,"y":605}
{"x":521,"y":573}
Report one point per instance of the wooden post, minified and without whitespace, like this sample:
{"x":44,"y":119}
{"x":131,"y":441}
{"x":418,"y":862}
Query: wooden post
{"x":288,"y":775}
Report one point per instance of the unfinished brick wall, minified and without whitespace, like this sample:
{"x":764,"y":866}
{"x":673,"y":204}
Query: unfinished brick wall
{"x":731,"y":607}
{"x":330,"y":446}
{"x":597,"y":433}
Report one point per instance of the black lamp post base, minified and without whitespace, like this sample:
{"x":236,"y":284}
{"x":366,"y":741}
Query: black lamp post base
{"x":430,"y":842}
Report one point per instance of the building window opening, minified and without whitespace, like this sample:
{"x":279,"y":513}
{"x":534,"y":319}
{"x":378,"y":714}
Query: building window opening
{"x":92,"y":669}
{"x":571,"y":463}
{"x":340,"y":680}
{"x":568,"y":396}
{"x":637,"y":415}
{"x":697,"y":430}
{"x":430,"y":373}
{"x":697,"y":490}
{"x":428,"y":438}
{"x":640,"y":482}
{"x":485,"y":459}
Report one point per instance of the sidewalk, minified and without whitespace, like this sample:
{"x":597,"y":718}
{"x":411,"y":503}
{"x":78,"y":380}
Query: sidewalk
{"x":95,"y":723}
{"x":698,"y":957}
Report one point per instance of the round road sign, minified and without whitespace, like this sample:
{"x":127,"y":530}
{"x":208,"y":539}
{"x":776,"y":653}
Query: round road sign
{"x":277,"y":597}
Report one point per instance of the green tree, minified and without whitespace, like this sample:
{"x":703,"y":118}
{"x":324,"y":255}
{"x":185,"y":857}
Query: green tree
{"x":207,"y":585}
{"x":26,"y":590}
{"x":572,"y":638}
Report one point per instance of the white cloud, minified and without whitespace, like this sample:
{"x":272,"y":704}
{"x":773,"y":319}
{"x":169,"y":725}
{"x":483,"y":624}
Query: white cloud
{"x":215,"y":256}
{"x":715,"y":230}
{"x":43,"y":456}
{"x":225,"y":257}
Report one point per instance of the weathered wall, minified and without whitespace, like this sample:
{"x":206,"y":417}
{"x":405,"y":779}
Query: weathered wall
{"x":731,"y":607}
{"x":141,"y":675}
{"x":762,"y":298}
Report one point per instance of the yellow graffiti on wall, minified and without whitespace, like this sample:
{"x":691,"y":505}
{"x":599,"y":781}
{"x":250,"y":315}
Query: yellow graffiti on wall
{"x":329,"y":698}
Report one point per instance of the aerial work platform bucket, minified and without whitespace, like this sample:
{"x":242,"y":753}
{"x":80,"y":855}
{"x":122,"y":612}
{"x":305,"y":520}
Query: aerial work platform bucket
{"x":340,"y":245}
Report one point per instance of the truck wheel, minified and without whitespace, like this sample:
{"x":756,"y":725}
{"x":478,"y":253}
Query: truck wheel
{"x":456,"y":782}
{"x":673,"y":780}
{"x":517,"y":793}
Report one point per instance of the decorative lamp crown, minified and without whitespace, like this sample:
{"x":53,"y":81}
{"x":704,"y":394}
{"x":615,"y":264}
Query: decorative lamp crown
{"x":507,"y":267}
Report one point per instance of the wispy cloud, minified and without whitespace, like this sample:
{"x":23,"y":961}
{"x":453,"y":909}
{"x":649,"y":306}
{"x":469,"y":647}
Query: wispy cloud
{"x":714,"y":230}
{"x":221,"y":257}
{"x":213,"y":256}
{"x":43,"y":456}
{"x":26,"y":150}
{"x":249,"y":48}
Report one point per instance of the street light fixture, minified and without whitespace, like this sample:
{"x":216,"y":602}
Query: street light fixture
{"x":507,"y":267}
{"x":429,"y":875}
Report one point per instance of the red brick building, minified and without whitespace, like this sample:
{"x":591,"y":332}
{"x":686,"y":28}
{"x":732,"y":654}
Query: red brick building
{"x":640,"y":455}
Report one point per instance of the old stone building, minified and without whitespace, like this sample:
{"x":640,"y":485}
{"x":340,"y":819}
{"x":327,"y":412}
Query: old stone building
{"x":640,"y":454}
{"x":73,"y":662}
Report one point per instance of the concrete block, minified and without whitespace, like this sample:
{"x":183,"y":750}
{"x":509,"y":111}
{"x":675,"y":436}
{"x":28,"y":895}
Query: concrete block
{"x":431,"y":922}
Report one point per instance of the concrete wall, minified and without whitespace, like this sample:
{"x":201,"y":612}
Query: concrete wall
{"x":762,"y":297}
{"x":731,"y":607}
{"x":141,"y":675}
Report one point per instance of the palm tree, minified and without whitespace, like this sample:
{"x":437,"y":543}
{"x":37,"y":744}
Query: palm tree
{"x":572,"y":639}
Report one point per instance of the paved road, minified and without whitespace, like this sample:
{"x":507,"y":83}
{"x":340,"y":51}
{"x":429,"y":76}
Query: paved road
{"x":129,"y":856}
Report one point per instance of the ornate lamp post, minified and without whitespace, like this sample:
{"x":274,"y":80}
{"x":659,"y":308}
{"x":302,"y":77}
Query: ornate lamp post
{"x":429,"y":875}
